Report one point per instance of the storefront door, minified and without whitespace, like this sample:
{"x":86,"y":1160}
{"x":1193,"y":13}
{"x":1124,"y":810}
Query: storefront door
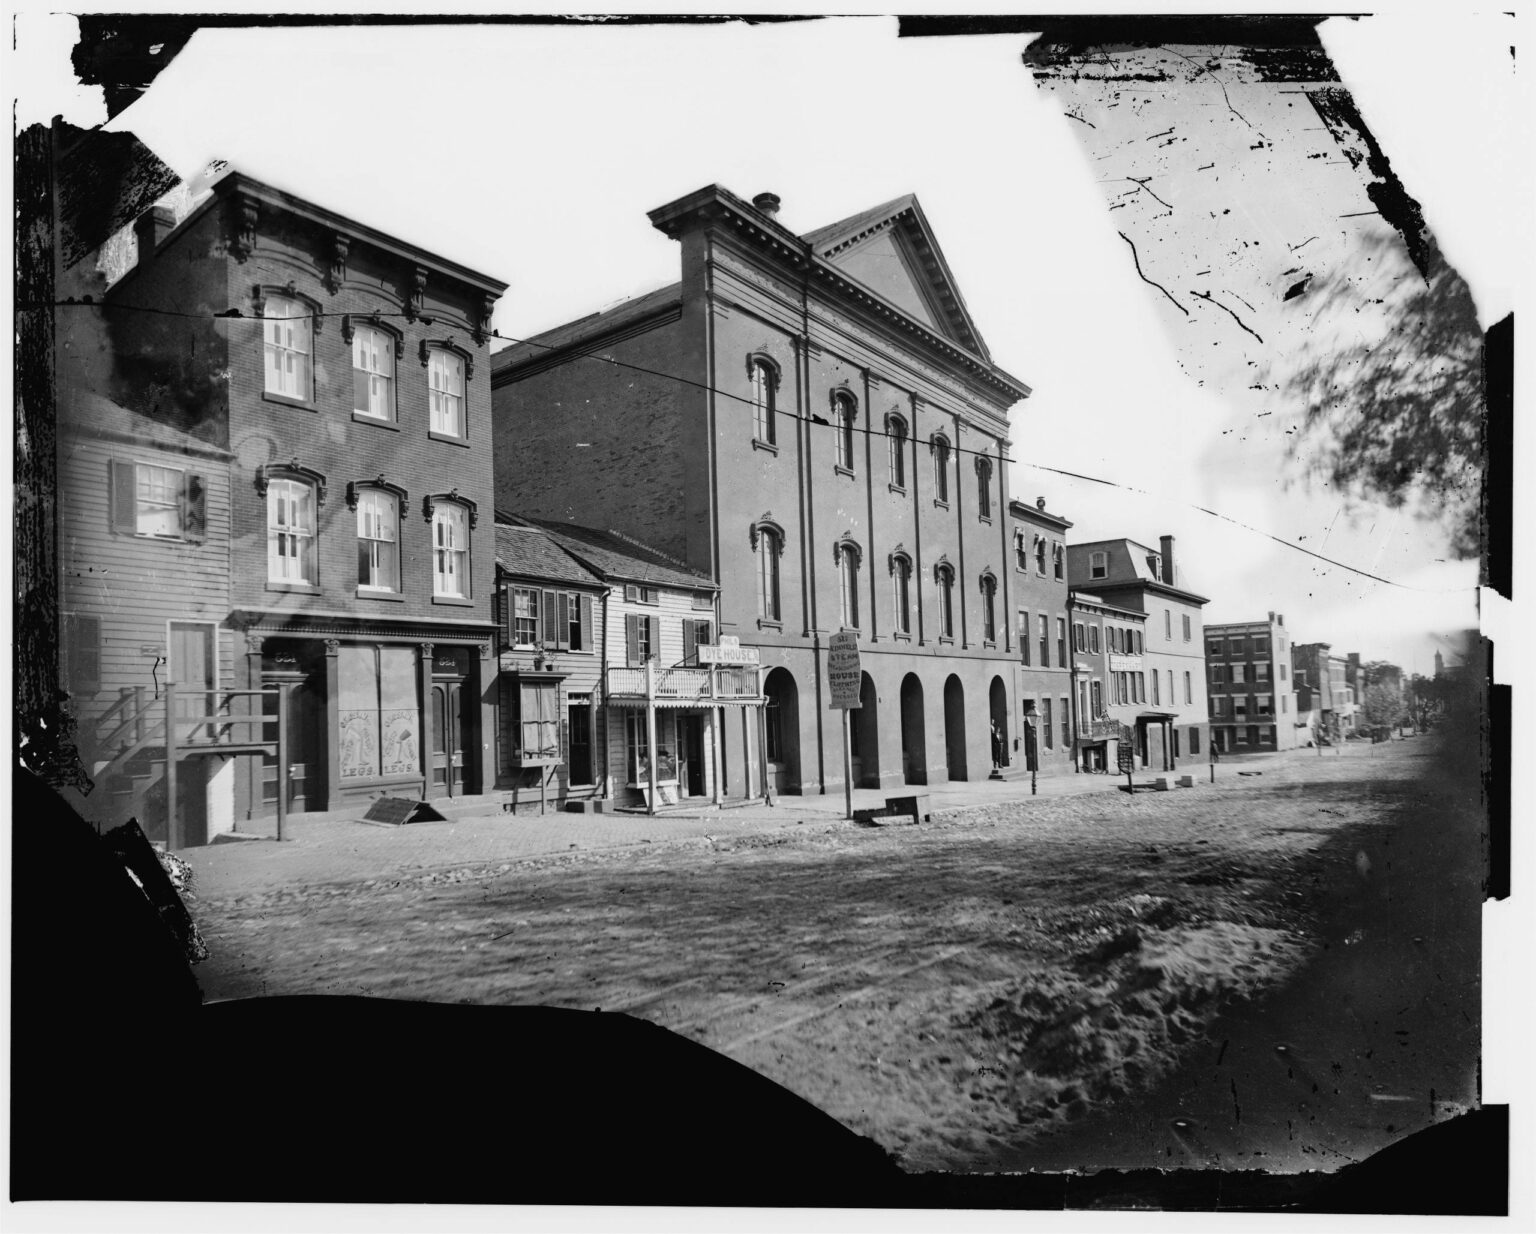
{"x":448,"y":738}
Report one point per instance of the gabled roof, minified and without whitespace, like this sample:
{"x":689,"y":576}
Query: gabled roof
{"x":891,"y":250}
{"x":612,"y":556}
{"x":530,"y":552}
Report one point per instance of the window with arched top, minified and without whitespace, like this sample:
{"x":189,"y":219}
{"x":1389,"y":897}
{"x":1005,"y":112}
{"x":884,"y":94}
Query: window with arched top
{"x":769,"y":547}
{"x":379,"y":506}
{"x":845,"y":410}
{"x":848,"y":559}
{"x":1059,"y":559}
{"x":984,"y":487}
{"x":445,"y":392}
{"x":293,"y":500}
{"x":940,"y":467}
{"x":373,"y":372}
{"x":896,"y":440}
{"x":901,"y":581}
{"x":450,"y":549}
{"x":944,"y":576}
{"x":287,"y":347}
{"x":764,"y":375}
{"x":988,"y":608}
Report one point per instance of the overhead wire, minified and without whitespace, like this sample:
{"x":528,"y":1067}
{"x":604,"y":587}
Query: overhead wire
{"x":234,"y":314}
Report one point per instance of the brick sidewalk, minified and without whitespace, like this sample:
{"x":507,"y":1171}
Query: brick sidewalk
{"x":331,"y":849}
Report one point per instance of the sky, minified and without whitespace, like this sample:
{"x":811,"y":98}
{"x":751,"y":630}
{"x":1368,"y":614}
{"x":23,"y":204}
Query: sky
{"x":534,"y":153}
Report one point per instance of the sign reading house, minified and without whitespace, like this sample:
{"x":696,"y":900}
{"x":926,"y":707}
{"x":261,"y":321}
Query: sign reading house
{"x":844,"y":673}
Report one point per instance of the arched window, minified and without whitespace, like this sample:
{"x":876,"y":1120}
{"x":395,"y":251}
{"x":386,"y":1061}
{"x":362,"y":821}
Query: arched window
{"x":285,"y":330}
{"x":373,"y":373}
{"x":445,"y":391}
{"x":847,"y":556}
{"x":901,"y":576}
{"x":379,"y":507}
{"x":844,"y":411}
{"x":988,"y":608}
{"x":896,"y":439}
{"x":940,"y":468}
{"x":944,"y":575}
{"x":450,"y":550}
{"x":1059,"y":557}
{"x":770,"y":545}
{"x":291,"y":505}
{"x":765,"y":386}
{"x":984,"y":487}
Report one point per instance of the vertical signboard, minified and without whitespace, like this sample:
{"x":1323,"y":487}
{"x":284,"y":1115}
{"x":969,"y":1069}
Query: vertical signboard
{"x":844,"y":676}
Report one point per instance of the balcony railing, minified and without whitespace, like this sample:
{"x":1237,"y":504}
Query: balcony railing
{"x":703,"y":684}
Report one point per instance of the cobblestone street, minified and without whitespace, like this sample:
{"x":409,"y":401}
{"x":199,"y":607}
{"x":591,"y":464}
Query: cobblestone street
{"x":955,"y":990}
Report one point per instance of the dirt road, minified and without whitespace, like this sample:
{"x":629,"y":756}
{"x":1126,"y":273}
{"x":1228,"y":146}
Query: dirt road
{"x":960,"y":991}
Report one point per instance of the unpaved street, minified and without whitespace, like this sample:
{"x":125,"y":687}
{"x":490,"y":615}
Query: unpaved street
{"x":964,"y":992}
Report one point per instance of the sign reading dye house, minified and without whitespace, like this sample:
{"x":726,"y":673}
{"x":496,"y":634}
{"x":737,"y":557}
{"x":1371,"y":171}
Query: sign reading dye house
{"x":844,"y":672}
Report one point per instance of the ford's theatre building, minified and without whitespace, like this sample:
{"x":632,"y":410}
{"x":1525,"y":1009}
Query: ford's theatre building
{"x":815,"y":424}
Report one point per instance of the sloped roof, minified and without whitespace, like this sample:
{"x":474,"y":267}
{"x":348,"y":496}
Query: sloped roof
{"x":613,"y":556}
{"x":531,"y":552}
{"x":601,"y":322}
{"x":840,"y":243}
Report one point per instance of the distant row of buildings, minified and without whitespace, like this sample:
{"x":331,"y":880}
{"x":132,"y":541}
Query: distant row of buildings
{"x":597,"y":568}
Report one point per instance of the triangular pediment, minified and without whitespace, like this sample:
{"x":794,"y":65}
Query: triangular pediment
{"x":891,"y":250}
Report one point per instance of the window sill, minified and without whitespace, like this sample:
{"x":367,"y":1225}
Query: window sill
{"x":900,"y":637}
{"x":898,"y":488}
{"x":448,"y":439}
{"x":984,"y":518}
{"x":947,"y":639}
{"x":302,"y":589}
{"x":454,"y":601}
{"x":763,"y":623}
{"x":287,"y":400}
{"x":372,"y":593}
{"x":362,"y":417}
{"x":843,"y":471}
{"x":990,"y":643}
{"x":940,"y":504}
{"x":759,"y":444}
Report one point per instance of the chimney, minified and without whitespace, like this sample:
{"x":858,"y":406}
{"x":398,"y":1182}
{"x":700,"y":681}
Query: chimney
{"x":151,"y":227}
{"x":766,"y":203}
{"x":1039,"y":503}
{"x":1167,"y":545}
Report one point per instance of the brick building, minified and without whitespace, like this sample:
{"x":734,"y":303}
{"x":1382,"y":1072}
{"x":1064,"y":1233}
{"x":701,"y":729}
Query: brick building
{"x":283,"y":425}
{"x":1043,"y":669}
{"x":1325,"y":700}
{"x":1248,"y":666}
{"x":1111,"y":681}
{"x":1172,"y":721}
{"x":814,"y":424}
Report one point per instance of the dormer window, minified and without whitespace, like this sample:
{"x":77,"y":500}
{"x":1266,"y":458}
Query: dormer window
{"x":1098,"y":565}
{"x":1155,"y":565}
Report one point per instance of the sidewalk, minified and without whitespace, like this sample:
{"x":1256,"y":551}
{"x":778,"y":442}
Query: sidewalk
{"x":334,"y":850}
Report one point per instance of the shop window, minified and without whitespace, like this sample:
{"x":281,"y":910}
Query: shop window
{"x":378,"y":714}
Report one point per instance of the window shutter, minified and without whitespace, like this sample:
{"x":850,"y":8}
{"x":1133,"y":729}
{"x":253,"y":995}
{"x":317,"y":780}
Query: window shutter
{"x":83,"y":649}
{"x":655,"y":625}
{"x":631,"y":593}
{"x":124,"y":498}
{"x":549,"y":620}
{"x":563,"y":620}
{"x":194,"y":509}
{"x":632,"y":639}
{"x":690,"y":641}
{"x":587,"y":641}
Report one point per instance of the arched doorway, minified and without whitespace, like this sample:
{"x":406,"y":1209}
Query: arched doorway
{"x":954,"y":728}
{"x":864,"y":736}
{"x":914,"y":746}
{"x":781,"y":720}
{"x":1000,"y":742}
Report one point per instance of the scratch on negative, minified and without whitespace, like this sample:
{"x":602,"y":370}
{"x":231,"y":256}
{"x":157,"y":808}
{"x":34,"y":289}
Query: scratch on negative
{"x":1205,"y":296}
{"x":1136,"y":257}
{"x":1142,"y":185}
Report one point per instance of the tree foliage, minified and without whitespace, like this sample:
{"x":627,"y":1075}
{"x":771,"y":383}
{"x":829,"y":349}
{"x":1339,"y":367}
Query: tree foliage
{"x":1390,"y":384}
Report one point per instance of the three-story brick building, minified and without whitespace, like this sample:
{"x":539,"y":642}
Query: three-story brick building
{"x":814,"y":423}
{"x":335,"y":381}
{"x":1248,"y":663}
{"x":1044,"y":667}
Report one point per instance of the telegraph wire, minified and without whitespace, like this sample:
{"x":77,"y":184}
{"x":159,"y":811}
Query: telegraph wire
{"x":234,"y":314}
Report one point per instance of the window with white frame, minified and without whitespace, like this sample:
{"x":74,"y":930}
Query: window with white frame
{"x":445,"y":392}
{"x":450,"y":550}
{"x":1024,"y":636}
{"x":1218,"y":704}
{"x":941,"y":468}
{"x":944,"y":574}
{"x":896,"y":441}
{"x":765,"y":383}
{"x":1239,"y":673}
{"x":1261,"y":672}
{"x":525,"y":617}
{"x":286,"y":330}
{"x":844,"y":412}
{"x":1264,"y":704}
{"x":373,"y":373}
{"x":164,"y":503}
{"x":1098,"y":565}
{"x":1061,"y":642}
{"x":1043,"y":627}
{"x":848,"y":581}
{"x":901,"y":580}
{"x":290,"y":531}
{"x":378,"y":541}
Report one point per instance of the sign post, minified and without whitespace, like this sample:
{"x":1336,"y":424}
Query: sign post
{"x":844,"y":676}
